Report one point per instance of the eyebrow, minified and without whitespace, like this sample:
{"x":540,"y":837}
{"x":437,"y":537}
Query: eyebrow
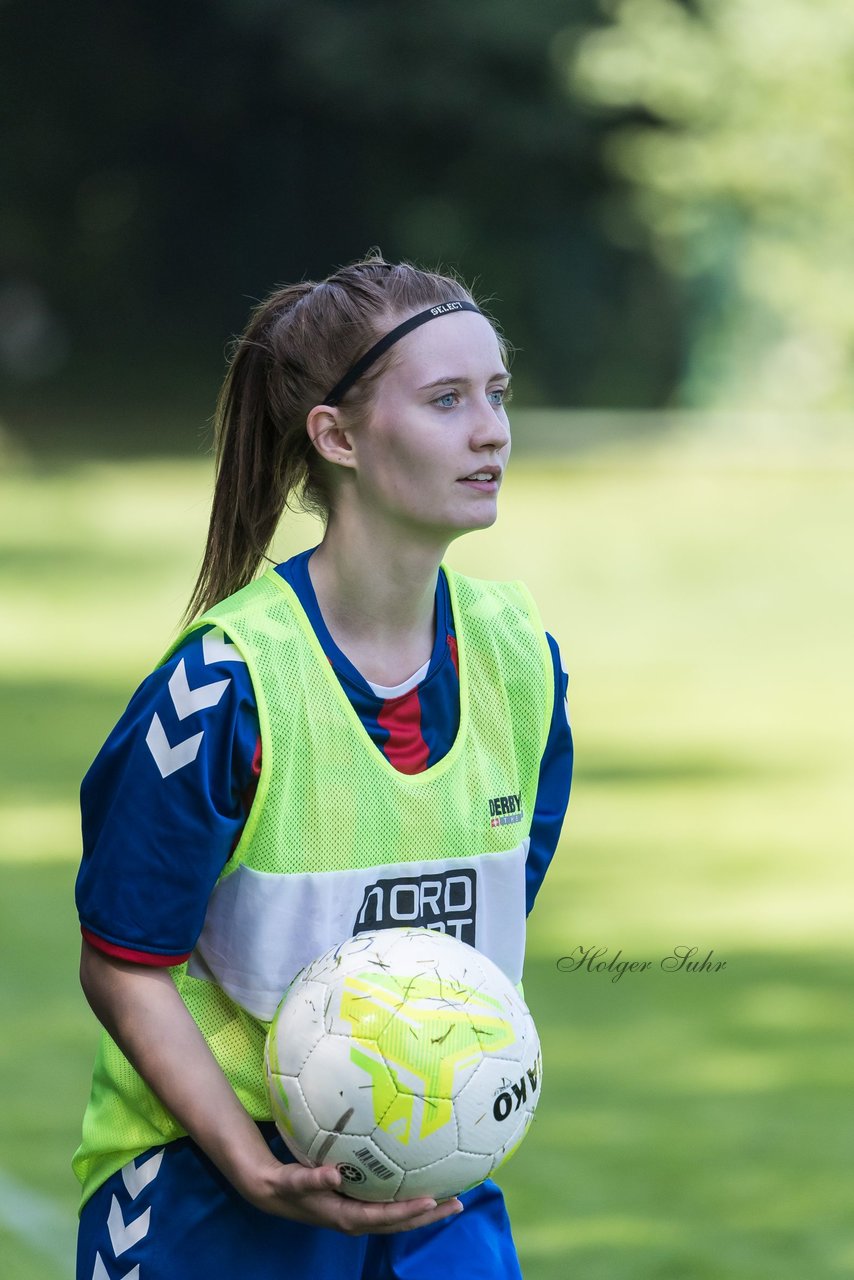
{"x":449,"y":380}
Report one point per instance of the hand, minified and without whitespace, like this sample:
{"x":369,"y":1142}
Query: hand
{"x":312,"y":1196}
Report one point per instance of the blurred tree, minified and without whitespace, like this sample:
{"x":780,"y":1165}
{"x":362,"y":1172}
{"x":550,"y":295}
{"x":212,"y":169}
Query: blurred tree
{"x":167,"y":165}
{"x":735,"y":131}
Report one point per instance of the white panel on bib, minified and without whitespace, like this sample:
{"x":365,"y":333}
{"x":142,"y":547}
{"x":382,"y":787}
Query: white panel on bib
{"x":261,"y":929}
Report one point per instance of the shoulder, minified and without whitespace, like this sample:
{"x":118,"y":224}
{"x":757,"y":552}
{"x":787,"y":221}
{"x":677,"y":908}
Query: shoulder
{"x":489,"y":598}
{"x":264,"y":614}
{"x":502,"y":615}
{"x":204,"y":668}
{"x":186,"y":712}
{"x":206,"y":650}
{"x":232,"y":612}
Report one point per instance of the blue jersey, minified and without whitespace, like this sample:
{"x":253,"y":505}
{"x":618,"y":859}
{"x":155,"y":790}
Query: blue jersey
{"x":165,"y":802}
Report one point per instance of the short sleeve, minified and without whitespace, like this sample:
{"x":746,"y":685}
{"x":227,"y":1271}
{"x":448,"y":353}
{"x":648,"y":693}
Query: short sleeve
{"x":165,"y":801}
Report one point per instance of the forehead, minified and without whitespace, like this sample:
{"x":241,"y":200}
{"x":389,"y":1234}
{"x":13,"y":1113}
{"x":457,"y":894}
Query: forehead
{"x":461,"y":344}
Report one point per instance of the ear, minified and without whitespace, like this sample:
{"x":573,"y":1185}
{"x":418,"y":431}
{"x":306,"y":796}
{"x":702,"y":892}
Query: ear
{"x":330,"y":436}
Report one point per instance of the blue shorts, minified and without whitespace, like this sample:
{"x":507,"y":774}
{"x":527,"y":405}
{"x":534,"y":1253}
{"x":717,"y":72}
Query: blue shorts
{"x":173,"y":1215}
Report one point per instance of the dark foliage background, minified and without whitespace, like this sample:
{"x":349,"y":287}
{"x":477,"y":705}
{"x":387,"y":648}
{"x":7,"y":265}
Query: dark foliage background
{"x":165,"y":165}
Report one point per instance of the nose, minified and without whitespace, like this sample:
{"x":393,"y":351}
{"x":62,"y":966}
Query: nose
{"x":490,"y":429}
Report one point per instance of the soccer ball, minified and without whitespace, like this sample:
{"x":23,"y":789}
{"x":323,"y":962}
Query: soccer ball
{"x":407,"y":1059}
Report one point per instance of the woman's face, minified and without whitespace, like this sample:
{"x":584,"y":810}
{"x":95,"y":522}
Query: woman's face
{"x":431,"y":455}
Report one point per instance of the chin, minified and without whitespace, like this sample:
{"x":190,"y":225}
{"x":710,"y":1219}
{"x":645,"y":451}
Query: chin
{"x":470,"y":523}
{"x":455,"y":523}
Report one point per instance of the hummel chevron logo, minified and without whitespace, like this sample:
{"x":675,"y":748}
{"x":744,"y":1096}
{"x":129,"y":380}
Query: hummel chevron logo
{"x":137,"y":1177}
{"x":168,"y":758}
{"x":188,"y":701}
{"x":101,"y":1272}
{"x":215,"y":648}
{"x":124,"y":1236}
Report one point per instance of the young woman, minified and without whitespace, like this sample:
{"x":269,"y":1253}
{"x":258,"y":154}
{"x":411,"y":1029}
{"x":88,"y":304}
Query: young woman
{"x":350,"y":722}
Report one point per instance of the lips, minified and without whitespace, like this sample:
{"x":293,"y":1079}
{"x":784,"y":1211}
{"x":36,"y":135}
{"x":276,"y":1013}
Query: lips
{"x":485,"y":474}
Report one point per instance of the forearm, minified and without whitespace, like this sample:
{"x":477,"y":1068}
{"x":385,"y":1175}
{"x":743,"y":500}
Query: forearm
{"x":141,"y":1009}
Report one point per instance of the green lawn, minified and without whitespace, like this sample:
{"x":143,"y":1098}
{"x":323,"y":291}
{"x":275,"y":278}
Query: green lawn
{"x":693,"y":1125}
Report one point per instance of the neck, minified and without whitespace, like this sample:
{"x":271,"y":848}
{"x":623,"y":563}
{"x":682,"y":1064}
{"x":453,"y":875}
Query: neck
{"x":377,"y":596}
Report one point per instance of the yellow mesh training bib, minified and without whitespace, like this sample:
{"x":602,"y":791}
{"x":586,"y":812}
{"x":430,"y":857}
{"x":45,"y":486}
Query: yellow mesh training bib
{"x":338,"y":841}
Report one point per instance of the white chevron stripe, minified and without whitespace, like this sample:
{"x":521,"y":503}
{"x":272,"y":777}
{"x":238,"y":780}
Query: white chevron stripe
{"x":137,"y":1177}
{"x":101,"y":1273}
{"x":169,"y":758}
{"x":187,"y":701}
{"x":215,"y":648}
{"x":124,"y":1235}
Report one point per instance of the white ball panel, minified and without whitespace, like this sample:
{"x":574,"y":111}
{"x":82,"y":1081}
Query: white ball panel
{"x":513,"y":1012}
{"x":348,"y":957}
{"x":297,"y":1026}
{"x":509,"y":1148}
{"x":427,"y":948}
{"x":340,"y":1092}
{"x":446,"y":1177}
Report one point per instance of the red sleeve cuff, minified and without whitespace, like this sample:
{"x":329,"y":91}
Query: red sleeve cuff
{"x":133,"y":957}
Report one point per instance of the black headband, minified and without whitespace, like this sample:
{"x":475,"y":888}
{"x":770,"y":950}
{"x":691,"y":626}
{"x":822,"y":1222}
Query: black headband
{"x":354,"y":374}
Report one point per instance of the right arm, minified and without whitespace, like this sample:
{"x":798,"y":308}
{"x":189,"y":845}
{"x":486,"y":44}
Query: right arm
{"x":159,"y":821}
{"x":141,"y":1009}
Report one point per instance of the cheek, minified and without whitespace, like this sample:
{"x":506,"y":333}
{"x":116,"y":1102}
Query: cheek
{"x":390,"y":474}
{"x":406,"y":460}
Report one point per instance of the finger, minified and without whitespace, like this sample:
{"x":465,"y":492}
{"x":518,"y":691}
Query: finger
{"x":404,"y":1215}
{"x":445,"y":1209}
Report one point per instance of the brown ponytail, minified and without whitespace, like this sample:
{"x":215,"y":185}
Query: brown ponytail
{"x":298,"y":343}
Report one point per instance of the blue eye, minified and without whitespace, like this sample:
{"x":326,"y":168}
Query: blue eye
{"x":447,"y":401}
{"x":499,"y":395}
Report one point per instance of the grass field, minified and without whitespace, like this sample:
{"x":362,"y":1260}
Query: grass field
{"x":694,"y":1124}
